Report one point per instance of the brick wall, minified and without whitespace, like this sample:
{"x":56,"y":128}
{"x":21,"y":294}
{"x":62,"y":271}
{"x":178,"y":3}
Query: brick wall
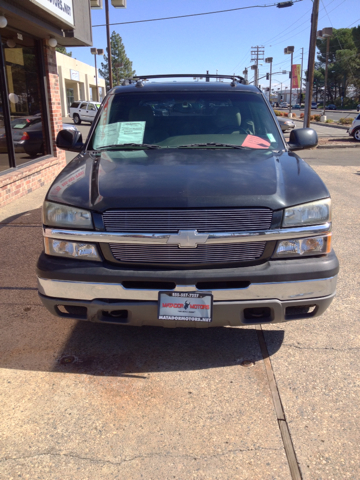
{"x":20,"y":181}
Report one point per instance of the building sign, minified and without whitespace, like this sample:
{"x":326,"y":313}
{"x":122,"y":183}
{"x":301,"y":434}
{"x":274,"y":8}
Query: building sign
{"x":296,"y":80}
{"x":74,"y":75}
{"x":59,"y":8}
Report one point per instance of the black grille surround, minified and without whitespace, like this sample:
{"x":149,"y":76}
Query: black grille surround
{"x":202,"y":220}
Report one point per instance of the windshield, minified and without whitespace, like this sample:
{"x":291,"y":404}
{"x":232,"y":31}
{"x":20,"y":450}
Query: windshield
{"x":186,"y":119}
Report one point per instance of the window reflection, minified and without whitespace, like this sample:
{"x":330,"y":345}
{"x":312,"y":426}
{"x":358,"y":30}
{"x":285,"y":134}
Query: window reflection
{"x":22,"y":77}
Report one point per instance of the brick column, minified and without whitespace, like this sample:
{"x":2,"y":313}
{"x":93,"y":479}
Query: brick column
{"x":53,"y":91}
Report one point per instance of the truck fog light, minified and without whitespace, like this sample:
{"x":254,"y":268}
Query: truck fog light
{"x":303,"y":247}
{"x":61,"y":248}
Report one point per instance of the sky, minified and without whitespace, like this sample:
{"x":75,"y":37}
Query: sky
{"x":221,"y":42}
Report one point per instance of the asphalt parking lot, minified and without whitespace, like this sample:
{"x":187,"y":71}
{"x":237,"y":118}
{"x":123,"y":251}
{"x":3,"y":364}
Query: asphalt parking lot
{"x":87,"y":401}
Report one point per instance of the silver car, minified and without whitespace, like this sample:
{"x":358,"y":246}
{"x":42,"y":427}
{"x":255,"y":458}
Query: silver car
{"x":285,"y":124}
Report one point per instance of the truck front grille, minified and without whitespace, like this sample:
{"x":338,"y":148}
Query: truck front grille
{"x":202,"y":220}
{"x":202,"y":254}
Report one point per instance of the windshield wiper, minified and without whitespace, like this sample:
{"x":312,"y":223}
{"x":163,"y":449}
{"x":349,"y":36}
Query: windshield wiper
{"x":212,"y":144}
{"x":127,"y":145}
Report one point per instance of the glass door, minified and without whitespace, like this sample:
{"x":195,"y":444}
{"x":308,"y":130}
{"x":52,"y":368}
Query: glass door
{"x":69,"y":97}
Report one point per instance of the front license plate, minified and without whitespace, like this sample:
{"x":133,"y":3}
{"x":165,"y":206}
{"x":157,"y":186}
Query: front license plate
{"x":185,"y":306}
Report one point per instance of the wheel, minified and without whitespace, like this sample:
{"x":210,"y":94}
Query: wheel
{"x":356,"y":134}
{"x":77,"y":119}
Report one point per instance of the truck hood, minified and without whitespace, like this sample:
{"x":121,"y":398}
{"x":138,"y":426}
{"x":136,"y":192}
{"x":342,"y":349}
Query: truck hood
{"x":187,"y":178}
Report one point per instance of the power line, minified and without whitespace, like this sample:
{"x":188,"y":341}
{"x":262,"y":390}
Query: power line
{"x":304,"y":29}
{"x":194,"y":14}
{"x":353,"y":23}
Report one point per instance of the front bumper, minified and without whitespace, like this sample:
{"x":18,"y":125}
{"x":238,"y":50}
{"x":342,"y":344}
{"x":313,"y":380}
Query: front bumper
{"x":275,"y":291}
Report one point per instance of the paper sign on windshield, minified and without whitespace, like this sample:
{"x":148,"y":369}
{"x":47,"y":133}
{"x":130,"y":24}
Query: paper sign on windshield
{"x":131,"y":132}
{"x":253,"y":141}
{"x":119,"y":133}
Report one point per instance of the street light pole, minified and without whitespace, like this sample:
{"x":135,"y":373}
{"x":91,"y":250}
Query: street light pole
{"x":326,"y":70}
{"x":96,"y":81}
{"x":290,"y":50}
{"x":325,"y":33}
{"x":108,"y":42}
{"x":97,"y":51}
{"x":269,"y":60}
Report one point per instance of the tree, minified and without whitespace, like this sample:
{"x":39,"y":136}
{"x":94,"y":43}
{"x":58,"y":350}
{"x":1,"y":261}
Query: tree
{"x":343,"y":62}
{"x":63,"y":50}
{"x":121,"y":65}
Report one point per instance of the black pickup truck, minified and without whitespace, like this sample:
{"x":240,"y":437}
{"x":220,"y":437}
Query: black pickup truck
{"x":186,"y":207}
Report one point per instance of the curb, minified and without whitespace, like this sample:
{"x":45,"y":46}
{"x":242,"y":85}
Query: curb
{"x":323,"y":124}
{"x":338,"y":146}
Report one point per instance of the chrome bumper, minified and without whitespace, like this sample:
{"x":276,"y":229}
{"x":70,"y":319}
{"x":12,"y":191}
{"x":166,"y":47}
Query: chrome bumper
{"x":283,"y":291}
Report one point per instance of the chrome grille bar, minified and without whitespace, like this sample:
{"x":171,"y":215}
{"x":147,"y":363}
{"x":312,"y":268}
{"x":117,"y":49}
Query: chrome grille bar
{"x":171,"y":254}
{"x":202,"y":220}
{"x":162,"y":238}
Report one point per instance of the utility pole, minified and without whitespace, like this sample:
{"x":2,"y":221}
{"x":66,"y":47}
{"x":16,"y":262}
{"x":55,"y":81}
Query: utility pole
{"x":257,"y":53}
{"x":311,"y":63}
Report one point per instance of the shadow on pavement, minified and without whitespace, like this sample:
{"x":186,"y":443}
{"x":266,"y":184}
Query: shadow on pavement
{"x":34,"y":340}
{"x":116,"y":351}
{"x":30,"y":217}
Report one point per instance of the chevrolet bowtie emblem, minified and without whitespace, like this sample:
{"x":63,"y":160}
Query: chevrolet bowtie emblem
{"x":187,"y":238}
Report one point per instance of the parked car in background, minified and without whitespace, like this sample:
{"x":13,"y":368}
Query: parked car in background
{"x":314,"y":105}
{"x":83,"y":111}
{"x":284,"y":105}
{"x":285,"y":124}
{"x":354,"y":130}
{"x":358,"y":108}
{"x":28,"y":135}
{"x":331,"y":107}
{"x":296,"y":106}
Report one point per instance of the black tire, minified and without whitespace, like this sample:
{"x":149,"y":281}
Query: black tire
{"x":77,"y":119}
{"x":356,"y":134}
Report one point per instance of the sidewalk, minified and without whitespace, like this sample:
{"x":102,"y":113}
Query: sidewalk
{"x":24,"y":204}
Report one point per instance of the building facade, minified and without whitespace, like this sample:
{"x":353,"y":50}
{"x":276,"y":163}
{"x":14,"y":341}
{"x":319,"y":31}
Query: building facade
{"x":77,"y":81}
{"x":30,"y":94}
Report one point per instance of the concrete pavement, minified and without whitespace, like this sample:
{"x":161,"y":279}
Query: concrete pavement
{"x":87,"y":401}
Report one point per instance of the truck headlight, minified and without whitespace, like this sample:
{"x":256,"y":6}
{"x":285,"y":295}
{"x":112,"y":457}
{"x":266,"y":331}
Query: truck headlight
{"x":313,"y":213}
{"x":303,"y":247}
{"x":79,"y":250}
{"x":57,"y":215}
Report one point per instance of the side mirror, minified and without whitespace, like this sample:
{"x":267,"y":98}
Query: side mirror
{"x":70,"y":140}
{"x":302,"y":138}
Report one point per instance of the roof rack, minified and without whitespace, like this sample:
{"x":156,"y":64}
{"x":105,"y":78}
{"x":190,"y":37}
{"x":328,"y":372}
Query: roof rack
{"x":137,"y":78}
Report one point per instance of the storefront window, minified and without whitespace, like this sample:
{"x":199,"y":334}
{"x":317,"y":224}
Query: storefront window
{"x":4,"y":157}
{"x":24,"y":104}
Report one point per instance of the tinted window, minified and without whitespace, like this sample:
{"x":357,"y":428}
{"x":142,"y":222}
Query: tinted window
{"x":185,"y":118}
{"x":83,"y":106}
{"x":74,"y":105}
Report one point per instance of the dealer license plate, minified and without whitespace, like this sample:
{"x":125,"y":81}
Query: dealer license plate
{"x":185,"y":306}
